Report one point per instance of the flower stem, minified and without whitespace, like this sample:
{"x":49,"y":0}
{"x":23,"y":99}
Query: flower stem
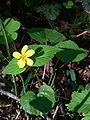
{"x":22,"y":83}
{"x":51,"y":77}
{"x":39,"y":80}
{"x":14,"y":84}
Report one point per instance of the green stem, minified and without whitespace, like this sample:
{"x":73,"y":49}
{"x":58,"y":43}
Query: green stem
{"x":14,"y":84}
{"x":53,"y":80}
{"x":52,"y":73}
{"x":6,"y":40}
{"x":22,"y":83}
{"x":50,"y":78}
{"x":39,"y":81}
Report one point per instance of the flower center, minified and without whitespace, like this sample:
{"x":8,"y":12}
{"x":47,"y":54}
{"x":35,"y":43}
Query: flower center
{"x":23,"y":57}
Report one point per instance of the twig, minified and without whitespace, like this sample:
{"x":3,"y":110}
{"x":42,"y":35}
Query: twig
{"x":55,"y":112}
{"x":62,"y":111}
{"x":82,"y":33}
{"x":18,"y":113}
{"x":9,"y":95}
{"x":5,"y":105}
{"x":44,"y":72}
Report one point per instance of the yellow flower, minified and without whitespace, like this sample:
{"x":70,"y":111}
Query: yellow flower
{"x":23,"y":56}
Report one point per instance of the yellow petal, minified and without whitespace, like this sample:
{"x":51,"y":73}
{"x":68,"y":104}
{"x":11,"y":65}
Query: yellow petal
{"x":24,"y":49}
{"x":29,"y":61}
{"x":16,"y":55}
{"x":29,"y":53}
{"x":21,"y":63}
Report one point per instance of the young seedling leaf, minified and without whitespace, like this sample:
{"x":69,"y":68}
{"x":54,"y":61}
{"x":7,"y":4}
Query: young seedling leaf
{"x":11,"y":26}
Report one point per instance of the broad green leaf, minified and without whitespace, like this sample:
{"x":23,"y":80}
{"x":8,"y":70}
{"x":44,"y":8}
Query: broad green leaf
{"x":40,"y":104}
{"x":12,"y":68}
{"x":43,"y":53}
{"x":86,"y":116}
{"x":80,"y":102}
{"x":44,"y":35}
{"x":50,"y":11}
{"x":70,"y":52}
{"x":11,"y":26}
{"x":47,"y":92}
{"x":45,"y":99}
{"x":25,"y":102}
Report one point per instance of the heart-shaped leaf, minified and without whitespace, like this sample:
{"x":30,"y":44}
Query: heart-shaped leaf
{"x":47,"y":92}
{"x":44,"y":34}
{"x":25,"y":102}
{"x":12,"y":68}
{"x":70,"y":52}
{"x":40,"y":104}
{"x":43,"y":53}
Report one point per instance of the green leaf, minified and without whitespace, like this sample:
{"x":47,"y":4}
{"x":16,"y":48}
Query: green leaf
{"x":86,"y":116}
{"x":70,"y":52}
{"x":44,"y":35}
{"x":47,"y":92}
{"x":40,"y":104}
{"x":69,"y":4}
{"x":50,"y":11}
{"x":80,"y":102}
{"x":25,"y":102}
{"x":11,"y":26}
{"x":12,"y":68}
{"x":43,"y":53}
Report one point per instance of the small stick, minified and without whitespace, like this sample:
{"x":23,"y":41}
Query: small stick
{"x":9,"y":95}
{"x":44,"y":72}
{"x":81,"y":33}
{"x":55,"y":112}
{"x":18,"y":113}
{"x":5,"y":105}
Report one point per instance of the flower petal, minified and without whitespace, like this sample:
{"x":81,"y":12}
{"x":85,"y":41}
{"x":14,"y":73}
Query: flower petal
{"x":24,"y":49}
{"x":21,"y":63}
{"x":16,"y":55}
{"x":29,"y":53}
{"x":29,"y":62}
